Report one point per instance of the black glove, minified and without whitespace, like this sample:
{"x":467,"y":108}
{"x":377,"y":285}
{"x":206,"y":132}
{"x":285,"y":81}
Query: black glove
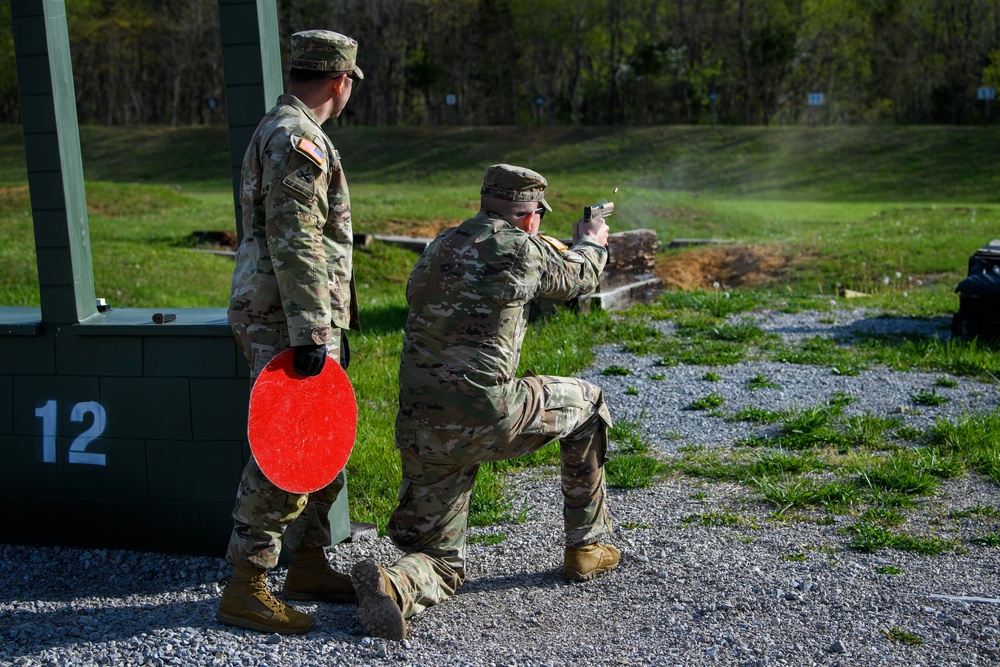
{"x":345,"y":351}
{"x":309,"y":359}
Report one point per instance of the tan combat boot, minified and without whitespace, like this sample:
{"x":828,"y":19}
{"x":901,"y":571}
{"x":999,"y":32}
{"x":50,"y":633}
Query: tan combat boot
{"x":586,"y":562}
{"x":379,"y":609}
{"x":247,"y":603}
{"x":310,"y":577}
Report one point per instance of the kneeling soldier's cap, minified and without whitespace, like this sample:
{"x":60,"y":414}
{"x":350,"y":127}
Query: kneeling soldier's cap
{"x":325,"y":51}
{"x":505,"y":181}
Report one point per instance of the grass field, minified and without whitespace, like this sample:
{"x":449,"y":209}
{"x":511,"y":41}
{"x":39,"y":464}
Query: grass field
{"x":891,"y":211}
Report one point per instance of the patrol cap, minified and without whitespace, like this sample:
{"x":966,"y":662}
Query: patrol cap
{"x":505,"y":181}
{"x":325,"y":51}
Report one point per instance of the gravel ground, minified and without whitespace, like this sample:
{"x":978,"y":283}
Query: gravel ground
{"x":685,"y":594}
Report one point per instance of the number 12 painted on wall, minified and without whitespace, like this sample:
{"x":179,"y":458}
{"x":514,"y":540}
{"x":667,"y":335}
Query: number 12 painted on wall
{"x":78,"y":450}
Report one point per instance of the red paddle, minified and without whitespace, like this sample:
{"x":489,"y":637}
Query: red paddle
{"x":301,"y":429}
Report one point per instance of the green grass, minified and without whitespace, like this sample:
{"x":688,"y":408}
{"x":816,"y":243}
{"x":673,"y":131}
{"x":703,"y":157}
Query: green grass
{"x":901,"y":636}
{"x":973,"y":439}
{"x":757,"y":415}
{"x":713,"y":400}
{"x":991,"y":539}
{"x":627,"y":435}
{"x":630,"y":466}
{"x":779,"y":461}
{"x":821,"y":461}
{"x":885,"y":517}
{"x":752,"y":440}
{"x":750,"y":182}
{"x":632,"y":471}
{"x":848,"y":207}
{"x":141,"y":247}
{"x":786,"y":494}
{"x":696,"y":340}
{"x":742,"y":331}
{"x":899,"y":473}
{"x":866,"y":537}
{"x":795,"y":557}
{"x":975,"y":511}
{"x":760,"y":381}
{"x":931,"y":397}
{"x":488,"y":540}
{"x":490,"y":502}
{"x":809,"y":427}
{"x":871,"y":431}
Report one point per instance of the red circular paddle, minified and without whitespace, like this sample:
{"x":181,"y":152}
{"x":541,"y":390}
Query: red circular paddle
{"x":301,"y":429}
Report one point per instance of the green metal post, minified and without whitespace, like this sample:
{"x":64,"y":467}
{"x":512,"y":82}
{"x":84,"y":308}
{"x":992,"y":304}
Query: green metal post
{"x":55,"y":168}
{"x":251,"y":57}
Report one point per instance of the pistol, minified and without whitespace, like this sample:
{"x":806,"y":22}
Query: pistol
{"x":595,"y":212}
{"x":598,"y":210}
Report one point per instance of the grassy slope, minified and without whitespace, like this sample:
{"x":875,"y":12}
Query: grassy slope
{"x":867,"y":164}
{"x":860,"y":203}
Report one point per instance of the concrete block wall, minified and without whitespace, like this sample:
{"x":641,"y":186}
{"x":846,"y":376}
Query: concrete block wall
{"x":124,"y":436}
{"x":120,"y":433}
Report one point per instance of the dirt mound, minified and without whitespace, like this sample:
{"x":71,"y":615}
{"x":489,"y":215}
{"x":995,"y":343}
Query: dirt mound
{"x":14,"y":196}
{"x":417,"y":230}
{"x":730,"y":266}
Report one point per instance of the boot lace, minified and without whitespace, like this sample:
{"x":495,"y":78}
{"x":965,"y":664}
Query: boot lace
{"x":258,"y":588}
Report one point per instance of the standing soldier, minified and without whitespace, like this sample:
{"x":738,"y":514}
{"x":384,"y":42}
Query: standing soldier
{"x":293,"y":287}
{"x":461,"y":405}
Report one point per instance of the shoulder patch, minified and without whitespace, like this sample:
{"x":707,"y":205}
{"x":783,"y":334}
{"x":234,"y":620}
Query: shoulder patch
{"x":300,"y":184}
{"x":554,"y":242}
{"x":308,"y":147}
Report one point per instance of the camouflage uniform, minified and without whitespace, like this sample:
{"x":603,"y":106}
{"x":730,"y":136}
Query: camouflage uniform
{"x":266,"y":515}
{"x":461,"y":404}
{"x":293,"y":285}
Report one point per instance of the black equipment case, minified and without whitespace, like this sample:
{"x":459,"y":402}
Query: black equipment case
{"x":979,"y":296}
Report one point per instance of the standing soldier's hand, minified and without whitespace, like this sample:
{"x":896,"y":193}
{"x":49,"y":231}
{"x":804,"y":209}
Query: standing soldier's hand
{"x":595,"y":228}
{"x":309,"y":359}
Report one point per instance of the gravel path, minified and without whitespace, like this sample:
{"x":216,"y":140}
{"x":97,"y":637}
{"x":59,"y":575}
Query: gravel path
{"x":756,"y":593}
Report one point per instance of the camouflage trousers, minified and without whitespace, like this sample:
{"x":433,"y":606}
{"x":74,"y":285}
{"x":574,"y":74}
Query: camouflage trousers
{"x":262,"y":341}
{"x":439,"y":471}
{"x":265,"y":515}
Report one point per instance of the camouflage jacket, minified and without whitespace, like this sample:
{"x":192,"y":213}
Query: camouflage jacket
{"x":294,"y":262}
{"x":469,"y":295}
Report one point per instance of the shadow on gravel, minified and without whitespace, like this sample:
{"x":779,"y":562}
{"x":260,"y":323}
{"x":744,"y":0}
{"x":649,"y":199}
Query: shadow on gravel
{"x":869,"y":327}
{"x":96,"y":622}
{"x":61,"y":584}
{"x":890,"y":327}
{"x":545,"y":579}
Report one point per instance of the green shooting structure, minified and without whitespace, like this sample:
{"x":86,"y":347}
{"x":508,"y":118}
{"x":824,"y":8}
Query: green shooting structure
{"x":118,"y":432}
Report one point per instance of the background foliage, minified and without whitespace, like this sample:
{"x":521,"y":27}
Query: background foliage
{"x":593,"y":62}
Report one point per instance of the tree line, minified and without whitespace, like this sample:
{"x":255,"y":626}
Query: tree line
{"x":594,"y":62}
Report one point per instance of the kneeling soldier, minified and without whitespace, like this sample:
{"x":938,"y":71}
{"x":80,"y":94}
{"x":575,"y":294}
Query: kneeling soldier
{"x":461,"y":405}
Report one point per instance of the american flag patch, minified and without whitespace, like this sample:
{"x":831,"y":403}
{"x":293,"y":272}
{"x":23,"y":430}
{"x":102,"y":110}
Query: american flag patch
{"x":312,"y":150}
